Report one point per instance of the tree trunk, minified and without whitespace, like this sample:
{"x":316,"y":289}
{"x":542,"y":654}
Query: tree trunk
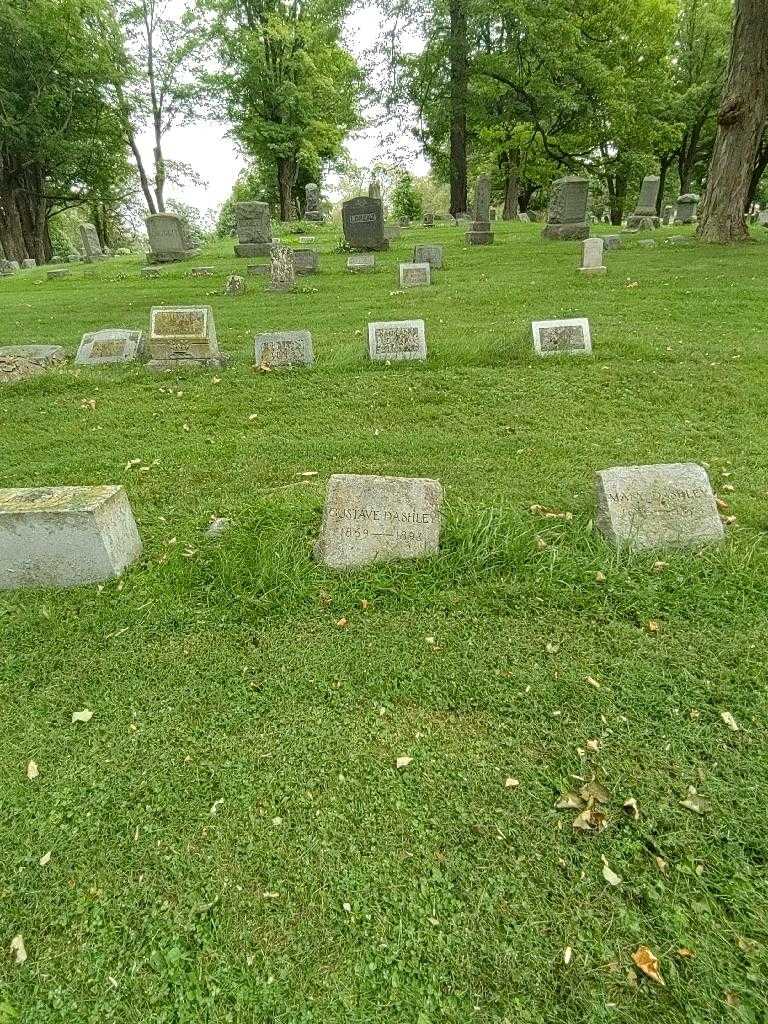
{"x":459,"y":73}
{"x":617,"y":194}
{"x":740,"y":122}
{"x":286,"y":175}
{"x":686,"y":159}
{"x":512,"y":185}
{"x":665,"y":162}
{"x":761,"y":162}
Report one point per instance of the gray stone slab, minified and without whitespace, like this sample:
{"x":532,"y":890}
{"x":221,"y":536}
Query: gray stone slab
{"x":182,"y":336}
{"x":562,"y":337}
{"x":363,"y":222}
{"x":377,"y":519}
{"x":235,"y":285}
{"x":361,"y":262}
{"x":592,"y":256}
{"x":305,"y":261}
{"x":524,"y":218}
{"x":312,"y":203}
{"x":414,"y":275}
{"x":261,"y":269}
{"x":150,"y":271}
{"x":53,"y":275}
{"x":168,"y":238}
{"x":253,"y":225}
{"x":284,"y":348}
{"x":202,"y":271}
{"x":431,"y":254}
{"x":611,"y":242}
{"x":20,"y":362}
{"x":282,"y":271}
{"x":648,"y":243}
{"x":29,"y":264}
{"x":687,"y":205}
{"x":391,"y":232}
{"x":479,"y":232}
{"x":392,"y":340}
{"x":65,"y":536}
{"x":113,"y":345}
{"x":645,"y":507}
{"x":567,"y":214}
{"x":91,"y":244}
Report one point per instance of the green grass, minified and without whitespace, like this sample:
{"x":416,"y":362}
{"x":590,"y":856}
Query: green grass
{"x":217,"y":672}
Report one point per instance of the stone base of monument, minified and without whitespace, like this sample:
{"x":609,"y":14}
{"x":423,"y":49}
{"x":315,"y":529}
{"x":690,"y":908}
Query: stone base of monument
{"x":643,"y":221}
{"x":593,"y":270}
{"x":65,"y":536}
{"x":20,"y":362}
{"x":480,"y":233}
{"x":185,"y":361}
{"x":315,"y":216}
{"x":564,"y":232}
{"x":250,"y":249}
{"x":172,"y":257}
{"x":113,"y":345}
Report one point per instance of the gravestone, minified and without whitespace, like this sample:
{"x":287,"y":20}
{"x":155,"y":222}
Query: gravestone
{"x":762,"y":218}
{"x":65,"y":536}
{"x":52,"y":275}
{"x":282,"y":270}
{"x":168,"y":238}
{"x":201,"y":271}
{"x":235,"y":285}
{"x":150,"y":271}
{"x":29,"y":264}
{"x":6,"y":270}
{"x":391,"y":232}
{"x":492,"y":213}
{"x":429,"y":220}
{"x":645,"y":217}
{"x":305,"y":261}
{"x":562,"y":337}
{"x":392,"y":340}
{"x":181,"y":336}
{"x":524,"y":218}
{"x":592,"y":256}
{"x":431,"y":254}
{"x":262,"y":269}
{"x":645,"y":507}
{"x":378,"y":518}
{"x":20,"y":362}
{"x":405,"y":222}
{"x":312,"y":203}
{"x":648,"y":243}
{"x":480,"y":229}
{"x":414,"y":275}
{"x":254,"y":229}
{"x":361,"y":262}
{"x":284,"y":348}
{"x":567,"y":215}
{"x":374,"y":190}
{"x":686,"y":208}
{"x":363,"y":221}
{"x":91,"y":244}
{"x":669,"y":215}
{"x":109,"y":346}
{"x":611,"y":242}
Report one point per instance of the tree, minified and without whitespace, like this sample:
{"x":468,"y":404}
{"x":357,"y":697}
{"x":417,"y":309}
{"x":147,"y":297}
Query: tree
{"x":61,"y":139}
{"x":164,"y":84}
{"x":741,"y":120}
{"x":289,"y":88}
{"x":406,"y":201}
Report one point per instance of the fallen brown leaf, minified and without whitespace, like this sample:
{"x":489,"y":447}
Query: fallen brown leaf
{"x":82,"y":716}
{"x":631,"y":808}
{"x":570,"y":801}
{"x":729,"y":720}
{"x":32,"y":770}
{"x":403,"y":761}
{"x":594,"y":791}
{"x":590,"y":820}
{"x":18,"y":949}
{"x":648,"y":964}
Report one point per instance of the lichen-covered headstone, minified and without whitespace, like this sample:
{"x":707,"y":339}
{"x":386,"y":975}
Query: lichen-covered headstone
{"x":562,"y":337}
{"x":168,"y":238}
{"x":283,"y":348}
{"x":235,"y":285}
{"x":65,"y":536}
{"x":91,"y":244}
{"x":431,"y":254}
{"x":282,"y":270}
{"x":687,"y":206}
{"x":377,"y":519}
{"x":110,"y":346}
{"x":645,"y":217}
{"x":305,"y":261}
{"x":611,"y":242}
{"x":20,"y":362}
{"x":391,"y":340}
{"x":592,"y":256}
{"x":54,"y":275}
{"x":645,"y":507}
{"x":312,"y":203}
{"x":253,"y":225}
{"x":29,"y":264}
{"x":567,"y":215}
{"x":480,"y":229}
{"x":415,"y":275}
{"x":182,"y":336}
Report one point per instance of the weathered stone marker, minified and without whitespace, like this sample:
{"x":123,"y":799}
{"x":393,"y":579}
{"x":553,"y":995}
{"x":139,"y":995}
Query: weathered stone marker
{"x":645,"y":217}
{"x":374,"y":190}
{"x":253,"y":225}
{"x":686,"y":208}
{"x":312,"y":203}
{"x":202,"y":271}
{"x":65,"y":536}
{"x":361,"y":262}
{"x":644,"y":507}
{"x":235,"y":285}
{"x":611,"y":242}
{"x":91,"y":244}
{"x":524,"y":218}
{"x":592,"y":256}
{"x":567,"y":216}
{"x":669,"y":215}
{"x":29,"y":264}
{"x":391,"y":340}
{"x":391,"y":232}
{"x":429,"y":220}
{"x":305,"y":261}
{"x":480,"y":229}
{"x":377,"y":519}
{"x":282,"y":272}
{"x":20,"y":362}
{"x":562,"y":337}
{"x":169,"y":240}
{"x":415,"y":275}
{"x":54,"y":275}
{"x":182,"y":336}
{"x":283,"y":348}
{"x":431,"y":254}
{"x":363,"y":221}
{"x":109,"y":346}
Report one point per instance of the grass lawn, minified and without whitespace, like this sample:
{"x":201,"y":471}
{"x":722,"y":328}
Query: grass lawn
{"x":229,"y":838}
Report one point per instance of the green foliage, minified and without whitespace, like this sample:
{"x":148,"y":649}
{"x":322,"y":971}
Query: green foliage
{"x":406,"y":201}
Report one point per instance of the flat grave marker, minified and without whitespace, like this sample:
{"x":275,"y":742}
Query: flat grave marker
{"x":562,"y":337}
{"x":284,"y":348}
{"x":415,"y":275}
{"x":182,"y":336}
{"x":393,"y":340}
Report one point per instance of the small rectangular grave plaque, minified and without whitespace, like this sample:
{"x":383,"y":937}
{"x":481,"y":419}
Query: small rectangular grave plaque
{"x":415,"y":275}
{"x":562,"y":337}
{"x":378,"y":518}
{"x":109,"y":346}
{"x":361,"y":262}
{"x":431,"y":254}
{"x":391,"y":340}
{"x":65,"y":536}
{"x":284,"y":348}
{"x":182,"y":335}
{"x":643,"y":507}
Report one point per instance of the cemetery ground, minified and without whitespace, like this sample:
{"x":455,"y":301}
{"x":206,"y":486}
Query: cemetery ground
{"x":229,"y":838}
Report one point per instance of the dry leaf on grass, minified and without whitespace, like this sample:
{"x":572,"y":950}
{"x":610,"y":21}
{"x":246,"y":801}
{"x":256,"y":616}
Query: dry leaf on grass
{"x":570,"y":801}
{"x":550,"y":513}
{"x":590,"y":820}
{"x":693,"y":802}
{"x":82,"y":716}
{"x":593,"y":745}
{"x":729,"y":720}
{"x":18,"y":949}
{"x":341,"y":623}
{"x":403,"y":761}
{"x":593,"y":682}
{"x":594,"y":791}
{"x":653,"y":626}
{"x":685,"y":952}
{"x":32,"y":770}
{"x":600,"y":577}
{"x":648,"y":964}
{"x":567,"y":955}
{"x":610,"y":876}
{"x":631,"y":808}
{"x":45,"y":859}
{"x":215,"y":807}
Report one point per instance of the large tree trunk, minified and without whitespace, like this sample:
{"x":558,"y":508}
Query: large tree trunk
{"x":511,"y":185}
{"x":686,"y":158}
{"x":459,"y":89}
{"x":665,"y":162}
{"x":761,"y":162}
{"x":617,"y":195}
{"x":740,"y":122}
{"x":286,"y":176}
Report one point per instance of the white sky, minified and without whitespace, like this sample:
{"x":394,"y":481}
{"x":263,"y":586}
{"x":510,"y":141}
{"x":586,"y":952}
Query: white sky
{"x":205,"y":147}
